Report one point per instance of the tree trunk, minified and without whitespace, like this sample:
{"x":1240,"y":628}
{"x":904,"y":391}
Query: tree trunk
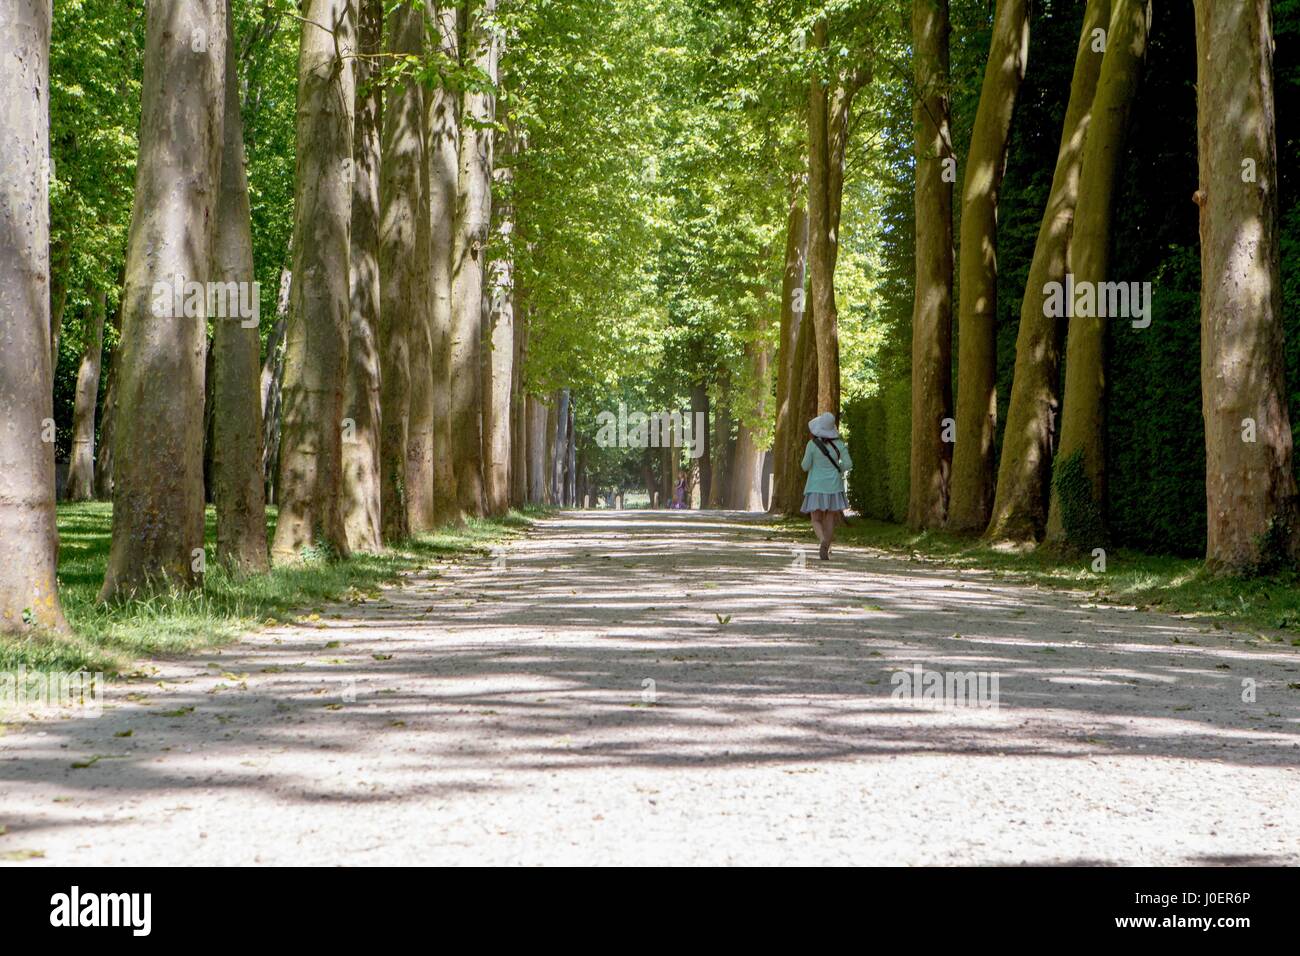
{"x":536,"y":451}
{"x":60,"y":259}
{"x":238,"y":489}
{"x":421,"y":512}
{"x":700,"y":407}
{"x":747,"y":478}
{"x":559,"y":449}
{"x":80,"y":485}
{"x":972,"y":483}
{"x":158,"y":462}
{"x":473,"y":217}
{"x":401,"y":204}
{"x":803,"y":396}
{"x":104,"y":453}
{"x":361,"y":444}
{"x":570,"y":466}
{"x":792,"y":310}
{"x":931,"y":454}
{"x":1250,"y":487}
{"x":519,"y":437}
{"x":1082,"y":524}
{"x":1020,"y":507}
{"x":548,"y":457}
{"x":316,"y":342}
{"x":29,"y":595}
{"x":821,"y":240}
{"x":272,"y":380}
{"x":442,"y":121}
{"x":722,"y":445}
{"x":500,"y":360}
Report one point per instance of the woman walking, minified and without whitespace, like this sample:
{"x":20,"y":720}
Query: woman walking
{"x":827,"y":461}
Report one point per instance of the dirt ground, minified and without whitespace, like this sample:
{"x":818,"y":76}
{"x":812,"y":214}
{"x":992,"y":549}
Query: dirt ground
{"x":676,"y":688}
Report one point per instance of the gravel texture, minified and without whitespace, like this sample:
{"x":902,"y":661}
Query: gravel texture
{"x":500,"y":710}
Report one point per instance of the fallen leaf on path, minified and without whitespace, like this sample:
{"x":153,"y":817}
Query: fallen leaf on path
{"x":178,"y":712}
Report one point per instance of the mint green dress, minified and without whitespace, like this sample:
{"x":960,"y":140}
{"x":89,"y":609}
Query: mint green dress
{"x":824,"y":489}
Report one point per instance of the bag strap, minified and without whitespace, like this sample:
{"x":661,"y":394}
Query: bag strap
{"x":821,"y":443}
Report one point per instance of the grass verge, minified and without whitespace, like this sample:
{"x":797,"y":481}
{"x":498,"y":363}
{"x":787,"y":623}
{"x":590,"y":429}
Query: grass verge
{"x":1267,"y":606}
{"x":108,"y":639}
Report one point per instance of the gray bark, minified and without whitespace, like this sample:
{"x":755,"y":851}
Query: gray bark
{"x":28,"y":574}
{"x":158,"y":462}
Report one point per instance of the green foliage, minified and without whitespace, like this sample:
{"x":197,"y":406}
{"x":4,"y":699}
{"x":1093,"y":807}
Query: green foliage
{"x":1155,"y":479}
{"x":863,"y":425}
{"x":879,"y":437}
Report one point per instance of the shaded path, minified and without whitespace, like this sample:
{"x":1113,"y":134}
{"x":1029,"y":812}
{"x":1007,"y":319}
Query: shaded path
{"x":499,"y":711}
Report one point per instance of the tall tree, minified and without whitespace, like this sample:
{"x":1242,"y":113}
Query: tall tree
{"x":536,"y":450}
{"x":361,"y":446}
{"x":1250,"y":486}
{"x":399,"y":270}
{"x":28,"y":585}
{"x":1076,"y":517}
{"x":271,"y":380}
{"x":931,"y":455}
{"x":421,"y":513}
{"x":1020,"y":505}
{"x":747,"y":472}
{"x":316,"y":341}
{"x":80,"y":485}
{"x":500,"y":337}
{"x":784,"y":492}
{"x":158,"y":511}
{"x":473,"y":218}
{"x":442,"y":108}
{"x":519,"y":410}
{"x":971,"y":494}
{"x":830,"y":101}
{"x":238,"y":490}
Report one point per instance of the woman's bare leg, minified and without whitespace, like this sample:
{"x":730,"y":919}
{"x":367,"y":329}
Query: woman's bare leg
{"x":818,"y":530}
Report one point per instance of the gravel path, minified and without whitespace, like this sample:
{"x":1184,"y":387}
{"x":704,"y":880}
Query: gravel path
{"x":500,"y":711}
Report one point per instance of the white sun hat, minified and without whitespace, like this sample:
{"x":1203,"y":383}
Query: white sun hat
{"x":823,"y":426}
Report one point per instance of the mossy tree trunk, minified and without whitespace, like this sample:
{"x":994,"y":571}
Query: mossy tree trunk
{"x":972,"y":483}
{"x":473,"y":218}
{"x":157,"y":537}
{"x":1076,"y":518}
{"x":316,"y":340}
{"x":362,"y":498}
{"x":401,"y":205}
{"x":1020,"y":504}
{"x":931,"y":453}
{"x":238,"y":490}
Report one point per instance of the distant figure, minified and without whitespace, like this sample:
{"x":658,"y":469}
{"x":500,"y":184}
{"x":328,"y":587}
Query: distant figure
{"x":679,"y":493}
{"x":827,"y":461}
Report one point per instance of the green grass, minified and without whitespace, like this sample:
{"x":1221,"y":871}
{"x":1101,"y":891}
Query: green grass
{"x":1267,"y":606}
{"x":109,"y":638}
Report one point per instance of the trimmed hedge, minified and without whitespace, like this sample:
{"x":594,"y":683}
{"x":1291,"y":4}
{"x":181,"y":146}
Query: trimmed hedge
{"x":878,"y":431}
